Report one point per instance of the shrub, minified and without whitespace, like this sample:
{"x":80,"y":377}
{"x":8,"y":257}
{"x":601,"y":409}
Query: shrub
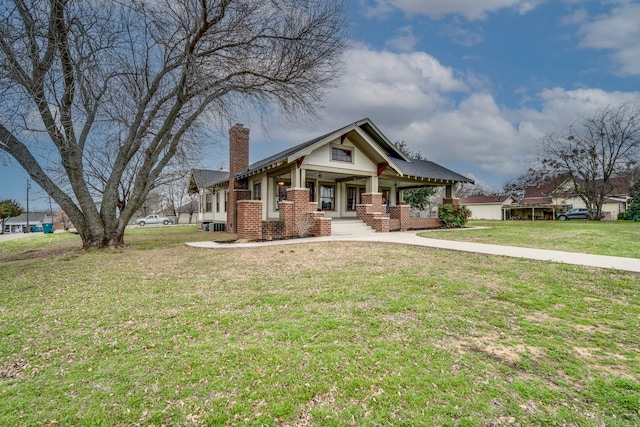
{"x":632,"y":213}
{"x":452,"y":216}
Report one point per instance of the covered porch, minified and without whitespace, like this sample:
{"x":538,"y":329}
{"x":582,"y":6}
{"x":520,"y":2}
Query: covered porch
{"x":532,"y":212}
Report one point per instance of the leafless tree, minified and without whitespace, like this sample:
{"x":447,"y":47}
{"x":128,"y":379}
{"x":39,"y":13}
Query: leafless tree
{"x":97,"y":97}
{"x":517,"y":186}
{"x":475,"y":188}
{"x":175,"y":196}
{"x":604,"y":146}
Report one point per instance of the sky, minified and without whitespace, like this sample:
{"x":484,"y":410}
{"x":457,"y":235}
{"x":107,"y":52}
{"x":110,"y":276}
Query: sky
{"x":470,"y":84}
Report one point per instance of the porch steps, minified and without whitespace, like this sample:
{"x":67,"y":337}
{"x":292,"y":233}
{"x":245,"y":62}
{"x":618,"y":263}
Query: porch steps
{"x":350,"y":227}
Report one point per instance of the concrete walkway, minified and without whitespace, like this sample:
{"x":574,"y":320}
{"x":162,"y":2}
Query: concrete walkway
{"x":411,"y":238}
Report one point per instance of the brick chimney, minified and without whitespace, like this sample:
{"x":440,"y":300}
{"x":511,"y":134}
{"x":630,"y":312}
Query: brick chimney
{"x":238,"y":162}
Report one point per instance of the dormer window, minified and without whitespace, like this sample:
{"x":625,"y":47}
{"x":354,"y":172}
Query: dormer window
{"x":341,"y":155}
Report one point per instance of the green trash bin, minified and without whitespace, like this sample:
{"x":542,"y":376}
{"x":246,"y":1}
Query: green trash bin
{"x":47,"y":227}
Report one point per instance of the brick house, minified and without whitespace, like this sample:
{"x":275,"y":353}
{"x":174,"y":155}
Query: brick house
{"x":353,"y":172}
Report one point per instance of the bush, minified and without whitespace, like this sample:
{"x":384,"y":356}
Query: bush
{"x":452,"y":216}
{"x":632,"y":213}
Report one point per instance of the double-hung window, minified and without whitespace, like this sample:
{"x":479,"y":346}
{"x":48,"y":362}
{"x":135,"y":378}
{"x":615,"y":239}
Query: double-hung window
{"x":209,"y":203}
{"x":328,"y":197}
{"x":354,"y":197}
{"x":281,"y":192}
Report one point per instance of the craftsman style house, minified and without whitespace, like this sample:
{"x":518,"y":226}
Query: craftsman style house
{"x":353,"y":172}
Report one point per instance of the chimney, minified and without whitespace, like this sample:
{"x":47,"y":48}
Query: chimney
{"x":238,"y":162}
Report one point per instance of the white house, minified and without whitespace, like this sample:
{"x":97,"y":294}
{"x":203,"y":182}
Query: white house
{"x":487,"y":207}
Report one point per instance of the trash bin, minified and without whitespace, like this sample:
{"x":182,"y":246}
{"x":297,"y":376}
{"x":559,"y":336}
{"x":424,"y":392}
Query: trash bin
{"x":47,"y":227}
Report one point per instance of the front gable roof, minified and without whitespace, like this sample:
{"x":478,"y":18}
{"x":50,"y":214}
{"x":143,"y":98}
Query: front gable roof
{"x":378,"y":143}
{"x":364,"y":128}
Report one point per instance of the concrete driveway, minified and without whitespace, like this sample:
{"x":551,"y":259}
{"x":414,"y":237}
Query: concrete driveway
{"x":12,"y":236}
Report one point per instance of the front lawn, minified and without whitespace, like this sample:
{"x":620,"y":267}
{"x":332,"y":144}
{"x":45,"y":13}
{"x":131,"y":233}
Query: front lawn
{"x":614,"y":238}
{"x":319,"y":334}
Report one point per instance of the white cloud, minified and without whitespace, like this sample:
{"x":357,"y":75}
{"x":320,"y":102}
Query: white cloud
{"x":450,"y":118}
{"x":405,"y":41}
{"x":392,"y":86}
{"x":460,"y":34}
{"x":619,"y":32}
{"x":578,"y":17}
{"x":470,"y":9}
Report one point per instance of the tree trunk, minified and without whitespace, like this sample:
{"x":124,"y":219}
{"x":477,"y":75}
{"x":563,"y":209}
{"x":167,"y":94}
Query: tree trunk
{"x":97,"y":238}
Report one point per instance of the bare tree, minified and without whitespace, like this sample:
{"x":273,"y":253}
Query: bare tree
{"x":475,"y":188}
{"x":516,"y":186}
{"x":175,"y":196}
{"x":98,"y":97}
{"x":604,"y":146}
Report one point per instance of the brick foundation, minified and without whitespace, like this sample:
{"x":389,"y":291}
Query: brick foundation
{"x":298,"y":217}
{"x":422,"y":223}
{"x":272,"y":229}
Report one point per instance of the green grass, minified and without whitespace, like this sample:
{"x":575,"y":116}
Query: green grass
{"x":327,"y":334}
{"x":613,"y":238}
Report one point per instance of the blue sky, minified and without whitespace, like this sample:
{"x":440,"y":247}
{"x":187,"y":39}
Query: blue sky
{"x":474,"y":84}
{"x":471,"y":84}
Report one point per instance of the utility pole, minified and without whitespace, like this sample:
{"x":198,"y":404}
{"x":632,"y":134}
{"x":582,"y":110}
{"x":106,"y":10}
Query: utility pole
{"x":28,"y":188}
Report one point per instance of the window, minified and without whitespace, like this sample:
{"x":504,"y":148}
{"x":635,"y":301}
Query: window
{"x":354,"y":197}
{"x":281,"y":191}
{"x":311,"y":185}
{"x":226,"y":197}
{"x":328,"y":197}
{"x":341,"y":155}
{"x":217,"y":201}
{"x":257,"y":191}
{"x":209,"y":202}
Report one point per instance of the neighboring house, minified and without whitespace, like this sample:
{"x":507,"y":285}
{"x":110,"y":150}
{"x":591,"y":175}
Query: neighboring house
{"x":614,"y":202}
{"x":18,"y":224}
{"x":188,"y":213}
{"x":351,"y":172}
{"x":488,"y":207}
{"x":558,"y":195}
{"x":212,"y":200}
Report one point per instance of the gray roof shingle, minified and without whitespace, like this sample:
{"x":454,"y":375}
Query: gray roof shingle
{"x":413,"y":168}
{"x":207,"y":178}
{"x":427,"y":169}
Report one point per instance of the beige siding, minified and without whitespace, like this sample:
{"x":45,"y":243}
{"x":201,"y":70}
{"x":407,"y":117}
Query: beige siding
{"x":322,"y":158}
{"x":484,"y":211}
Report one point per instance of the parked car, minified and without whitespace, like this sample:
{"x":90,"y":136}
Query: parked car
{"x":575,"y":213}
{"x":153,"y":219}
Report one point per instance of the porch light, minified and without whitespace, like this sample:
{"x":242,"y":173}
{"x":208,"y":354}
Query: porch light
{"x":280,"y":183}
